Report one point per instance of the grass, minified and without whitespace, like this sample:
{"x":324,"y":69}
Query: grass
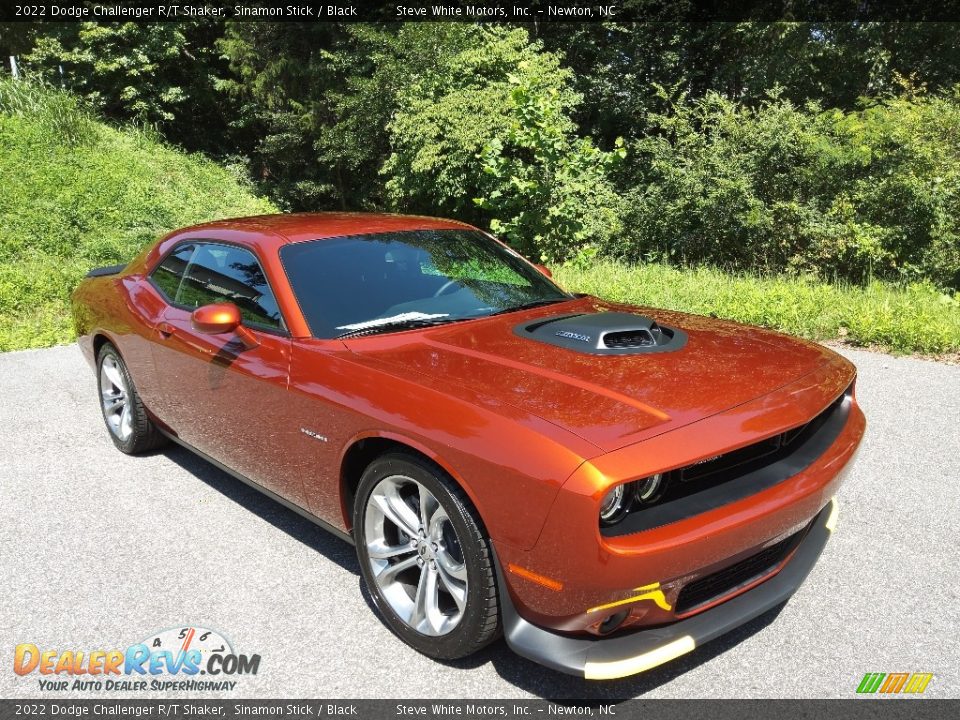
{"x":79,"y":194}
{"x":909,"y":319}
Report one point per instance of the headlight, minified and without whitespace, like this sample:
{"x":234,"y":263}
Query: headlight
{"x":631,"y":496}
{"x":613,"y":506}
{"x":648,"y":489}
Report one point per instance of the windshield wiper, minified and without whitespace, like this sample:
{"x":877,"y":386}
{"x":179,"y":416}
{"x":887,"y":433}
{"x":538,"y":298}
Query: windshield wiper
{"x":394,"y":326}
{"x":528,"y":305}
{"x":413,"y":323}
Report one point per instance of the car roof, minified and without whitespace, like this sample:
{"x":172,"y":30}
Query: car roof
{"x":298,"y":227}
{"x":266,"y":234}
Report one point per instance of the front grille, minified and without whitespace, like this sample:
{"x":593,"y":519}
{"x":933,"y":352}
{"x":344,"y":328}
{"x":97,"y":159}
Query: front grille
{"x":731,"y":476}
{"x":734,"y":463}
{"x":723,"y":582}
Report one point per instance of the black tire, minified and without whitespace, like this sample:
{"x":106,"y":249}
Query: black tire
{"x":479,"y":623}
{"x":144,"y":435}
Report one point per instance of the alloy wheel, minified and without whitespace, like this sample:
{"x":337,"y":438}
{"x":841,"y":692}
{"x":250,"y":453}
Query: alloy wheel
{"x":415,"y":555}
{"x":115,"y":398}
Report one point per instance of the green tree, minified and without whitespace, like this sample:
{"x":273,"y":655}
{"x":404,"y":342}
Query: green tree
{"x":318,"y":98}
{"x":546,"y":190}
{"x":281,"y":76}
{"x":867,"y":193}
{"x":619,"y":66}
{"x":450,"y":109}
{"x":485,"y":133}
{"x":163,"y":74}
{"x":377,"y":63}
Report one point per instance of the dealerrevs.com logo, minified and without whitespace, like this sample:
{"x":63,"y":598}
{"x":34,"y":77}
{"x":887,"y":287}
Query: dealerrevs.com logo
{"x":166,"y":661}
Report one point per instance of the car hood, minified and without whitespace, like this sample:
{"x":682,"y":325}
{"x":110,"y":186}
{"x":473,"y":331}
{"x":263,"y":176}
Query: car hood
{"x":608,"y":400}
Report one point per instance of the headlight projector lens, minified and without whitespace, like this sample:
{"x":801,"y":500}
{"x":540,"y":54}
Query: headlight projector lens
{"x":612,"y":507}
{"x":649,"y":488}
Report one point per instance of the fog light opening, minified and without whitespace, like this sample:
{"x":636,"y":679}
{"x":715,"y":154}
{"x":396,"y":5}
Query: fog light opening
{"x":612,"y":622}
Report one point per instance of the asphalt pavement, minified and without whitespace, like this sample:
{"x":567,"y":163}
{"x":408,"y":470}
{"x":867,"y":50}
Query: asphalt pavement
{"x":99,"y":550}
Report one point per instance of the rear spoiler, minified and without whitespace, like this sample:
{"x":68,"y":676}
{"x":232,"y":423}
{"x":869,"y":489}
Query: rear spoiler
{"x":107,"y":270}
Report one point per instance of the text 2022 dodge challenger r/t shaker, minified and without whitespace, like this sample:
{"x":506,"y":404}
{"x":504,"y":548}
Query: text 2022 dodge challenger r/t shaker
{"x":608,"y":486}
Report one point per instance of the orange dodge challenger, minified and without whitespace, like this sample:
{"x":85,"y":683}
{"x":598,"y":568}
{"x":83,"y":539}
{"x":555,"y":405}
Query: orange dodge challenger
{"x":607,"y":486}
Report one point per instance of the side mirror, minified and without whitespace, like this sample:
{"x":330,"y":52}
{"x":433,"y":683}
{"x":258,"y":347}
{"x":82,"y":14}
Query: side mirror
{"x":222,"y":318}
{"x":544,"y":269}
{"x":216,"y":319}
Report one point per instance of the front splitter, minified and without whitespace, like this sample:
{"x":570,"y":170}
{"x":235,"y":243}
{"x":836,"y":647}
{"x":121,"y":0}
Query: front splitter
{"x":634,"y":652}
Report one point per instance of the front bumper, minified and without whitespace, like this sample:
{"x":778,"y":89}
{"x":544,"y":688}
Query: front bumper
{"x":596,"y":658}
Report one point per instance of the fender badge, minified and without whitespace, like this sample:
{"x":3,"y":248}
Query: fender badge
{"x":315,"y":436}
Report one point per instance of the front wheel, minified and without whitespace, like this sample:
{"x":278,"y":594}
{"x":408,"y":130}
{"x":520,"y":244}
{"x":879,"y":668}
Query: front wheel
{"x":424,"y":558}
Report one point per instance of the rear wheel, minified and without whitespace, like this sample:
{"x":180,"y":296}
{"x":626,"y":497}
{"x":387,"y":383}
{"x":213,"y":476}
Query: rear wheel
{"x":130,"y":427}
{"x":424,"y":557}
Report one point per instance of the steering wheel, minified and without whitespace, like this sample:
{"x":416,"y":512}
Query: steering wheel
{"x":443,"y":288}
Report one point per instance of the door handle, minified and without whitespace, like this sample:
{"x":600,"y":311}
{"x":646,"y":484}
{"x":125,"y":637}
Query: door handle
{"x":165,"y":330}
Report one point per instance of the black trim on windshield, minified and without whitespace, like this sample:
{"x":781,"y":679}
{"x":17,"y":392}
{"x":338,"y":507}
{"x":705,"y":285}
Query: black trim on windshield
{"x":342,"y":292}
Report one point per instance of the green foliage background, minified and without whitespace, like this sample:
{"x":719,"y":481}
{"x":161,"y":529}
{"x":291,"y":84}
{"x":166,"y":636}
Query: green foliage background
{"x":869,"y":193}
{"x":822,"y":154}
{"x":78,"y":194}
{"x":910,"y":318}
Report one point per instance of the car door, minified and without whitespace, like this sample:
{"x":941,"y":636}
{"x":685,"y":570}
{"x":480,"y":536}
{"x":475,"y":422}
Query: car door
{"x":223,"y":395}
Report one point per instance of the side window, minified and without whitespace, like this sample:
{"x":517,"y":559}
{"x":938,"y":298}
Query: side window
{"x":169,"y":273}
{"x":222,"y":273}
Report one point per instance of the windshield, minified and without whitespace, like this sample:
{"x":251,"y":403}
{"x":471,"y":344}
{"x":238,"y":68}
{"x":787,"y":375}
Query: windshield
{"x":391,"y":281}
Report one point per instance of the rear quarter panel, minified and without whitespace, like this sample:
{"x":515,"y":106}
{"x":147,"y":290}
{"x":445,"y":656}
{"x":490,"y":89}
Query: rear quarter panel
{"x":122,"y":310}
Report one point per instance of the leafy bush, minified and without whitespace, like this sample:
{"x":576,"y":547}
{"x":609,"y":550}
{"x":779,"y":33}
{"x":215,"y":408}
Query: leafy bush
{"x":547,"y":191}
{"x":853,"y":195}
{"x":78,"y":194}
{"x":488,"y":127}
{"x":912,"y":318}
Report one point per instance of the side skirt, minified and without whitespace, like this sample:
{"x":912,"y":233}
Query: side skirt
{"x":346,"y":537}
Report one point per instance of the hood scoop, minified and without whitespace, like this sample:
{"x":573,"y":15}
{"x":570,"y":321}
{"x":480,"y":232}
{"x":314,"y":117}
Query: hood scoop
{"x":605,"y":333}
